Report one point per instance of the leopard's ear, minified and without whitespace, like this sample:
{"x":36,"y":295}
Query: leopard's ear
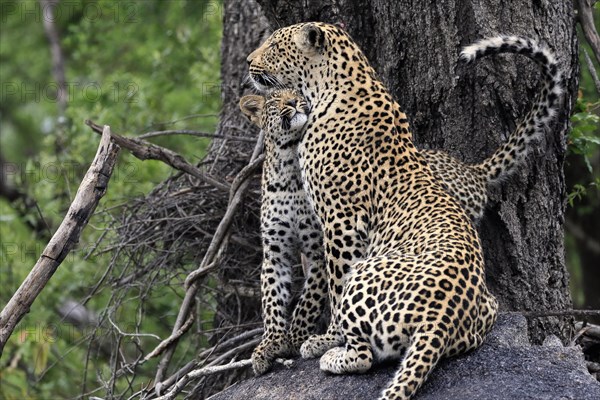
{"x":310,"y":39}
{"x":252,"y":106}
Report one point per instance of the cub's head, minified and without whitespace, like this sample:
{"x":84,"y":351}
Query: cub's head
{"x":299,"y":56}
{"x":281,"y":110}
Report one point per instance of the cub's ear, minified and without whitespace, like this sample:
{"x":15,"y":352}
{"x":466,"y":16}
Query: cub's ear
{"x":252,"y":106}
{"x":310,"y":39}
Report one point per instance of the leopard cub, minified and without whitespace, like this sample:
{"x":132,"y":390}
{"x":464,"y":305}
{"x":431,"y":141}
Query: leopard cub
{"x":289,"y":228}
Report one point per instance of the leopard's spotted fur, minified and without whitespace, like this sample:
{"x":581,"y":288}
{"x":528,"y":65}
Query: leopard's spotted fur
{"x":468,"y":183}
{"x":421,"y":284}
{"x":288,"y":227}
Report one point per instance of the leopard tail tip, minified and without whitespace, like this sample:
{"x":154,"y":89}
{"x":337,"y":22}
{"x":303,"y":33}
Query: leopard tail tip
{"x":468,"y":54}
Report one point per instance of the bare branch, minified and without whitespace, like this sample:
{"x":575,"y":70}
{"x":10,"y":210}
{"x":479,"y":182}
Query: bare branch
{"x":589,"y":330}
{"x":592,"y":69}
{"x":234,"y":352}
{"x":165,"y":343}
{"x":586,"y":20}
{"x":206,"y":353}
{"x":194,"y":133}
{"x":560,"y":313}
{"x":148,"y":151}
{"x":131,"y":334}
{"x":195,"y":374}
{"x":186,"y":118}
{"x":58,"y":59}
{"x":189,"y":375}
{"x":91,"y":190}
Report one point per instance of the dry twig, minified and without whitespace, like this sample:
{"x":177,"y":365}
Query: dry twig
{"x":198,"y":373}
{"x":167,"y":383}
{"x":148,"y":151}
{"x":560,"y":313}
{"x":238,"y":189}
{"x":165,"y":343}
{"x":188,"y":132}
{"x":592,"y":69}
{"x":589,"y":330}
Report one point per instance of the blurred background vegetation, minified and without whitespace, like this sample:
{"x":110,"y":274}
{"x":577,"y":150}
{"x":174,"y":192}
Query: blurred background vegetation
{"x":137,"y":66}
{"x":144,"y":66}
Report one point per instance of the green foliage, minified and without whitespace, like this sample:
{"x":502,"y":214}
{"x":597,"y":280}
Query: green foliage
{"x":583,"y":138}
{"x":137,"y":66}
{"x":583,"y":180}
{"x":579,"y":191}
{"x":584,"y":142}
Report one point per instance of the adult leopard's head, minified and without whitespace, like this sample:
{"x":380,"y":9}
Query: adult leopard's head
{"x":281,"y":110}
{"x":306,"y":56}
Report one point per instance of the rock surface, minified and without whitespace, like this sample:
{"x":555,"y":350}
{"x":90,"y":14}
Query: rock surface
{"x":505,"y":367}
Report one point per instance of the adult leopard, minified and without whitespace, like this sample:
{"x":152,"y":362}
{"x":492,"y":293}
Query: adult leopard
{"x":283,"y":204}
{"x":421,"y":284}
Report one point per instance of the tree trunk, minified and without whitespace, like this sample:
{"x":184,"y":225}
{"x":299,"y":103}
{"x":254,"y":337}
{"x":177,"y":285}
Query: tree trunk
{"x":469,"y":111}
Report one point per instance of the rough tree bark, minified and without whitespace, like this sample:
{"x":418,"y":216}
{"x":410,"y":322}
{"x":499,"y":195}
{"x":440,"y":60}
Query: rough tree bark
{"x":467,"y":111}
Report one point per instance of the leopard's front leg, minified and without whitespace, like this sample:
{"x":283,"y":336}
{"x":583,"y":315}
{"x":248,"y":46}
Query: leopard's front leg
{"x":275,"y":288}
{"x":313,"y":299}
{"x":345,"y":244}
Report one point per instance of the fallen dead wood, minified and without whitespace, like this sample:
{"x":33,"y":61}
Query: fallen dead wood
{"x":92,"y":188}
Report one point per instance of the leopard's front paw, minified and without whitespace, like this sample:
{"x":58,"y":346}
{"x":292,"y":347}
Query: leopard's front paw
{"x":267,"y":350}
{"x":331,"y":361}
{"x":317,"y":345}
{"x":260,"y":363}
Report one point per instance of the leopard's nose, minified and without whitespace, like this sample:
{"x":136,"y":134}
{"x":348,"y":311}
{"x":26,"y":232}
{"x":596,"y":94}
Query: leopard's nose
{"x":292,"y":103}
{"x":251,"y":57}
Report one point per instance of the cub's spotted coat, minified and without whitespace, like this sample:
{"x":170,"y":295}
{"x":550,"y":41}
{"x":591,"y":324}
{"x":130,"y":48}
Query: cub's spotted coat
{"x":288,"y":226}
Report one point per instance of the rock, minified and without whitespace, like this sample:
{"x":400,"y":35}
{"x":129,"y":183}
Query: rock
{"x":510,"y":331}
{"x":505,"y":367}
{"x":552,"y":341}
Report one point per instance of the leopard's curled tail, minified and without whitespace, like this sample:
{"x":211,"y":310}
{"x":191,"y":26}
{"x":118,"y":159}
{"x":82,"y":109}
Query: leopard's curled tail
{"x":508,"y":156}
